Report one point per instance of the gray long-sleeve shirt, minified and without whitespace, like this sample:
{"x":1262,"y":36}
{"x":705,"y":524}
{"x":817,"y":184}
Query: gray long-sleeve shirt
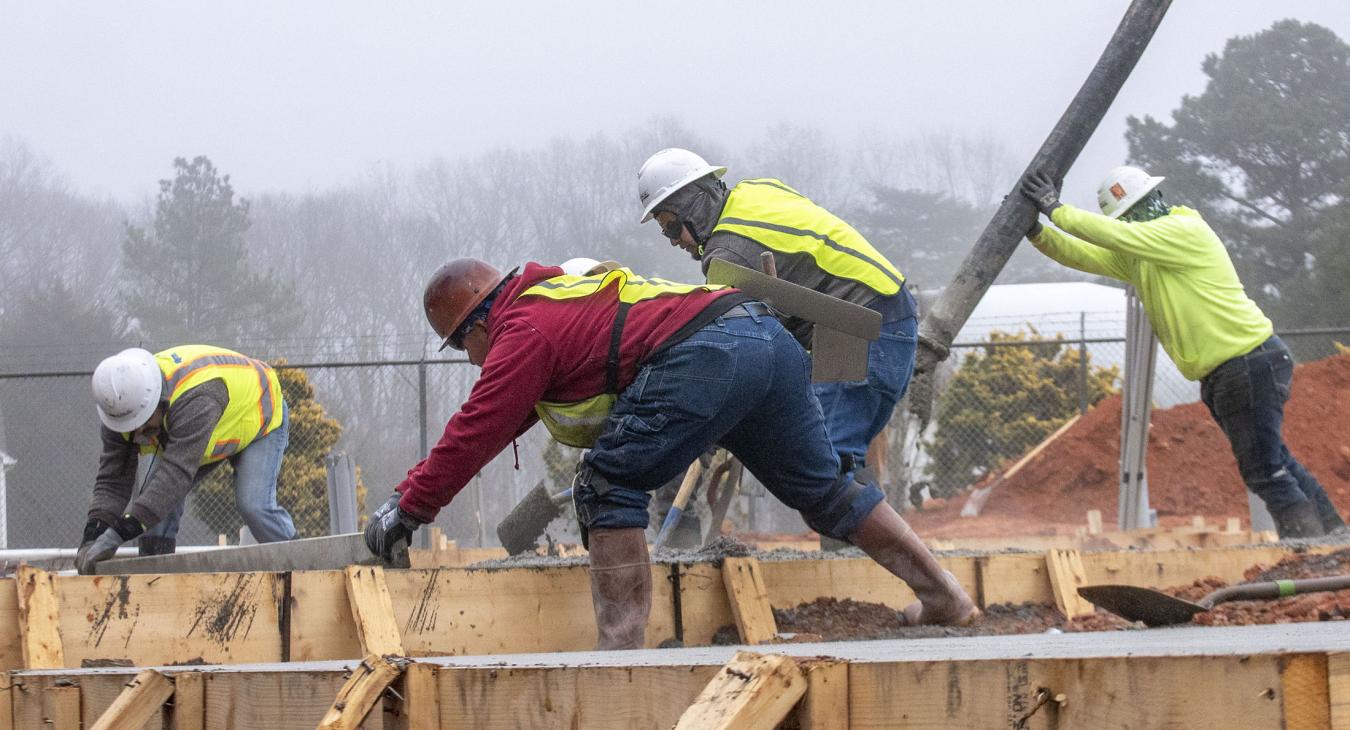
{"x":185,"y":436}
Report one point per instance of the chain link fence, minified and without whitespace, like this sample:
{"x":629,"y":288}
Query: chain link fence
{"x":384,"y":414}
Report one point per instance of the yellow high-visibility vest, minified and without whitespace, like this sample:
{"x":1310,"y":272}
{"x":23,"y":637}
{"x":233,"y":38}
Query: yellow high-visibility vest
{"x":580,"y":423}
{"x":256,"y":402}
{"x":781,"y":219}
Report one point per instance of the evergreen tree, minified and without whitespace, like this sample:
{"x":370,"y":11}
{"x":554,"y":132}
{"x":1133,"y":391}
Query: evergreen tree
{"x":190,"y":278}
{"x":1263,"y":154}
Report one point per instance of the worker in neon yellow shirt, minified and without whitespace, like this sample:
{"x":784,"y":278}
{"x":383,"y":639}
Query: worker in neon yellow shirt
{"x":1204,"y":320}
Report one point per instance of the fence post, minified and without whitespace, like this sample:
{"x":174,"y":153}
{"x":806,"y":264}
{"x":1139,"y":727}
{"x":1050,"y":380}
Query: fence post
{"x":422,"y":407}
{"x":1082,"y":364}
{"x":422,"y":538}
{"x":341,"y":493}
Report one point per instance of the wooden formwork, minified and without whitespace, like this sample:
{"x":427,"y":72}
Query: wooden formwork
{"x":229,"y":618}
{"x":1291,"y":676}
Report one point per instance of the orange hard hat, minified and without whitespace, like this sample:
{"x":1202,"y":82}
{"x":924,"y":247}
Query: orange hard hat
{"x":454,"y":291}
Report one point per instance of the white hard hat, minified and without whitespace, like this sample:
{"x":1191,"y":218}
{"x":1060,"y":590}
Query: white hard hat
{"x":1124,"y":187}
{"x":127,"y":388}
{"x":667,"y":171}
{"x":579,"y":266}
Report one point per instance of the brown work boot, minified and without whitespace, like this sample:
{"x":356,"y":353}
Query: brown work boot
{"x":888,"y":539}
{"x":621,"y":587}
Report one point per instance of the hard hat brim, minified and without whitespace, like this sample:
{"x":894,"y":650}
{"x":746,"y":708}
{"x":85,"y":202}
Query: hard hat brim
{"x":714,"y":170}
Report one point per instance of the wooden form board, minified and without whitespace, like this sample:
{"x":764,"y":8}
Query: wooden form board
{"x":1226,"y":691}
{"x":145,"y":620}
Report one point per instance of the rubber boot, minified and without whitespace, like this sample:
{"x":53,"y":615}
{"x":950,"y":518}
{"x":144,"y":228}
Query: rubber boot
{"x":621,"y":587}
{"x":151,"y":545}
{"x":1299,"y":520}
{"x":888,"y":539}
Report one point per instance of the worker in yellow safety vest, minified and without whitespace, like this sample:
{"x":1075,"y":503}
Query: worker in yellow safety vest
{"x":810,"y":247}
{"x":1204,"y":320}
{"x":187,"y":409}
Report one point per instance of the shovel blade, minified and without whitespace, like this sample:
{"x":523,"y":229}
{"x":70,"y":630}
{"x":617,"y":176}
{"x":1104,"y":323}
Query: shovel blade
{"x":1133,"y":603}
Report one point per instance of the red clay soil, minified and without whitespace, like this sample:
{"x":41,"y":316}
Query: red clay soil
{"x":847,"y":620}
{"x":1191,"y":470}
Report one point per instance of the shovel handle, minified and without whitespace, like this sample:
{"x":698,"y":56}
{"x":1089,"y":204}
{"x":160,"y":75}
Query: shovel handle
{"x":1275,"y":589}
{"x":681,"y":500}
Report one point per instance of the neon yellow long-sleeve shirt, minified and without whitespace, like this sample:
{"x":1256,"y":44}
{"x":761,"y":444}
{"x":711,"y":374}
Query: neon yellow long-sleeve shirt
{"x":1183,"y":274}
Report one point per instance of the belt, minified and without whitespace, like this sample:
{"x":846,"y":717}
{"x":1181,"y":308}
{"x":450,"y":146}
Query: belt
{"x":746,"y":309}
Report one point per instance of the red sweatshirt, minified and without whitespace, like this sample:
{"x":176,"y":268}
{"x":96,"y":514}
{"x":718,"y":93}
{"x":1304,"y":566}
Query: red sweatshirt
{"x":539,"y":349}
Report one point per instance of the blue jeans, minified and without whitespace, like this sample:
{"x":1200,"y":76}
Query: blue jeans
{"x":743,"y":383}
{"x":256,"y":468}
{"x":856,"y":411}
{"x":1246,"y":395}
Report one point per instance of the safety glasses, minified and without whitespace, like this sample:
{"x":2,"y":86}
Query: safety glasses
{"x":456,"y":338}
{"x":673,"y":230}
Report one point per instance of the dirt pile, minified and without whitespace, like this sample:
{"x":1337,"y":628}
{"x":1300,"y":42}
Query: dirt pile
{"x":1191,"y":470}
{"x":848,"y":620}
{"x":1326,"y":606}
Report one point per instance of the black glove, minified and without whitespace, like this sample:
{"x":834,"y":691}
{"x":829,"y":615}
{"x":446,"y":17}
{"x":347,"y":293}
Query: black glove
{"x":92,"y":529}
{"x":1041,"y":191}
{"x":388,"y":526}
{"x":105,"y":545}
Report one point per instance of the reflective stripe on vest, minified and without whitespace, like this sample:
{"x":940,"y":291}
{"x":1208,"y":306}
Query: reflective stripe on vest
{"x":781,"y":219}
{"x":580,"y":423}
{"x":255,"y":400}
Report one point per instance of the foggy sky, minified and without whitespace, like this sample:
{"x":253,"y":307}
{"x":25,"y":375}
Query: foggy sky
{"x":302,"y":96}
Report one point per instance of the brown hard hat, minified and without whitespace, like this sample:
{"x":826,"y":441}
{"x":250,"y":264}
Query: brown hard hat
{"x":454,"y":291}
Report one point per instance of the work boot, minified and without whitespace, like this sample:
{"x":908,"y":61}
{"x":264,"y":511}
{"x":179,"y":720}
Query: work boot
{"x":621,"y":587}
{"x":888,"y":539}
{"x":1299,"y":520}
{"x":152,"y":545}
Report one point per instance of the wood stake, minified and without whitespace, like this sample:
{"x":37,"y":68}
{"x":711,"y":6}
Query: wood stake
{"x":1338,"y":689}
{"x":139,"y":702}
{"x":373,"y":610}
{"x":751,"y":691}
{"x":39,"y":617}
{"x":61,"y":707}
{"x":189,"y":701}
{"x":421,"y":697}
{"x":360,"y":693}
{"x":1066,"y":576}
{"x":825,"y":705}
{"x":749,"y":600}
{"x":1233,"y":526}
{"x":1094,"y":518}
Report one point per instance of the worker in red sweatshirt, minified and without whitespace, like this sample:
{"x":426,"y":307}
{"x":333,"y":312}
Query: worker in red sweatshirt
{"x":647,"y":374}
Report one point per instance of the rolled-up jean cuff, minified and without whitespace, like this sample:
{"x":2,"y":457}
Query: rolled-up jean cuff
{"x":620,"y":507}
{"x":841,"y":516}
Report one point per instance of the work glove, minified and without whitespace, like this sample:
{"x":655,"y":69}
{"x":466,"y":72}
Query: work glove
{"x":1041,"y":191}
{"x":388,"y":526}
{"x":105,"y":545}
{"x":1035,"y":229}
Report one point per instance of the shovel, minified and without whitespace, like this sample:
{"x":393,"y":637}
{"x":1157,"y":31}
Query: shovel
{"x":1156,"y":608}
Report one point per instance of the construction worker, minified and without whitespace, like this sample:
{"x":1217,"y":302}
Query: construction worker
{"x":647,"y":374}
{"x":811,"y":247}
{"x":1205,"y":321}
{"x":189,"y":409}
